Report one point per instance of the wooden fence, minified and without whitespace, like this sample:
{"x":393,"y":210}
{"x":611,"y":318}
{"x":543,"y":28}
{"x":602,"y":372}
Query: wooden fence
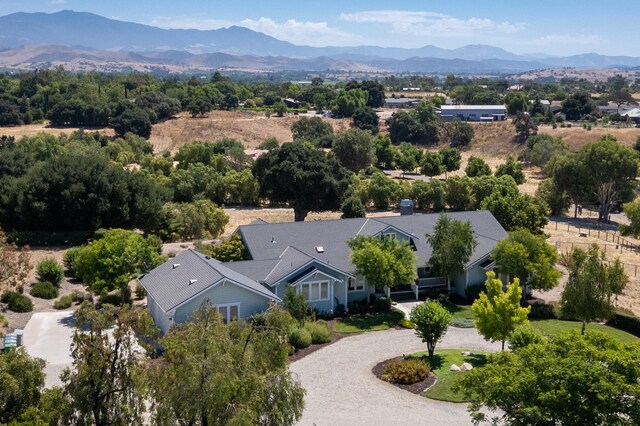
{"x":631,"y":269}
{"x":607,"y":236}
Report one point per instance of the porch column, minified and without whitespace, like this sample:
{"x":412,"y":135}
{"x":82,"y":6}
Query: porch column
{"x":466,"y":279}
{"x":416,"y":290}
{"x":346,"y":294}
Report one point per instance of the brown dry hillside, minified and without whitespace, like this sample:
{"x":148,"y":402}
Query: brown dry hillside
{"x":250,"y":128}
{"x":34,"y":129}
{"x":576,"y":137}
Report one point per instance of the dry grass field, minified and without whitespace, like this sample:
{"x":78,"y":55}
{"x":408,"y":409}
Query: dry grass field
{"x":34,"y":129}
{"x":248,"y":127}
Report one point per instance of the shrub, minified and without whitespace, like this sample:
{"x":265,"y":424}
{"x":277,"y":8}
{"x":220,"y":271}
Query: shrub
{"x":382,"y":304}
{"x":44,"y":290}
{"x":524,"y":336}
{"x":140,"y":291}
{"x":78,"y":296}
{"x":17,"y":302}
{"x":405,"y":323}
{"x":63,"y":303}
{"x":406,"y":371}
{"x":319,"y":332}
{"x":111,"y":299}
{"x":627,"y":323}
{"x":542,"y":311}
{"x":50,"y":270}
{"x":3,"y":322}
{"x":473,"y":292}
{"x":69,"y":259}
{"x":300,"y":338}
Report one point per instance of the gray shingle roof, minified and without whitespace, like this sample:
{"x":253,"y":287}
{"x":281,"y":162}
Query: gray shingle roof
{"x":170,"y":285}
{"x":275,"y":240}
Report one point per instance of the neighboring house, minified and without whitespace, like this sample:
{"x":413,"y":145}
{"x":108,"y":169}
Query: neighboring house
{"x":546,"y":105}
{"x":313,"y":258}
{"x":472,"y":112}
{"x":632,"y":115}
{"x":401,"y":102}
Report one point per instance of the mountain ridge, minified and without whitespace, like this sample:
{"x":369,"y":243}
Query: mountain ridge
{"x":87,"y":31}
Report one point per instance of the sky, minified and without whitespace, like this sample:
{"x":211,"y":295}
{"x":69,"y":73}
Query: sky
{"x":554,"y":27}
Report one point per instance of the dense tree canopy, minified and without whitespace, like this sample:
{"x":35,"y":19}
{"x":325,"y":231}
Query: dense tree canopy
{"x":569,"y":380}
{"x":301,"y":175}
{"x":354,"y":149}
{"x":384,"y":262}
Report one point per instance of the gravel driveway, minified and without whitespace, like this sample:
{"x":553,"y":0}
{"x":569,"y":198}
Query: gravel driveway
{"x":342,"y":390}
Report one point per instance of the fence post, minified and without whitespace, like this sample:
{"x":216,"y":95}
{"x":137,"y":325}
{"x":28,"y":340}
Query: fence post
{"x":635,"y":274}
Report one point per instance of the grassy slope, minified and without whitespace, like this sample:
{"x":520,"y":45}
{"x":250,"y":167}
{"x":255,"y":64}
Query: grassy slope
{"x":556,"y":327}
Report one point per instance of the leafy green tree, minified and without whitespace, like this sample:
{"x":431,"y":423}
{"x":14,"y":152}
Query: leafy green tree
{"x":571,"y":379}
{"x":452,"y":243}
{"x":457,"y":133}
{"x":384,"y":262}
{"x":578,"y":105}
{"x":385,"y":152}
{"x":352,"y":207}
{"x":592,"y":285}
{"x":230,"y":250}
{"x":498,"y":312}
{"x":269,"y":144}
{"x":50,"y":270}
{"x":104,"y":387}
{"x":512,"y":168}
{"x":286,"y":174}
{"x":280,"y":108}
{"x":428,"y":195}
{"x":528,"y":257}
{"x":459,"y":193}
{"x":431,"y":321}
{"x":542,"y":147}
{"x":450,"y":159}
{"x":476,"y":166}
{"x":196,"y":220}
{"x":375,"y":92}
{"x":571,"y":176}
{"x":525,"y":127}
{"x":354,"y":149}
{"x":232,"y":373}
{"x":365,"y":118}
{"x":432,"y":164}
{"x":311,"y":129}
{"x":382,"y":190}
{"x":134,"y":120}
{"x":524,"y":336}
{"x":347,"y":102}
{"x":22,"y":381}
{"x":420,"y":126}
{"x":241,"y":188}
{"x":632,"y":211}
{"x":408,"y":157}
{"x":296,"y":304}
{"x":612,"y":170}
{"x":516,"y":102}
{"x":111,"y":261}
{"x":557,"y":200}
{"x":515,"y":211}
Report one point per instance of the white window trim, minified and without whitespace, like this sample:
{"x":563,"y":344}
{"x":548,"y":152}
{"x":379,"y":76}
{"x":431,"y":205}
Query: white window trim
{"x":358,"y":287}
{"x":390,"y":234}
{"x":319,"y":282}
{"x":228,"y":305}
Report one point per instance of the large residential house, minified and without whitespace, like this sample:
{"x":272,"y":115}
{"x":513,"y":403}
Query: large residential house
{"x":472,"y":112}
{"x":313,"y":258}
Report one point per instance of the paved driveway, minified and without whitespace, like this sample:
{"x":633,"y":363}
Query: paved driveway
{"x":342,"y":390}
{"x":48,"y":336}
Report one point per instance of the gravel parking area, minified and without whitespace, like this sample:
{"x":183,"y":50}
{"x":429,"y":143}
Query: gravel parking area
{"x":342,"y":390}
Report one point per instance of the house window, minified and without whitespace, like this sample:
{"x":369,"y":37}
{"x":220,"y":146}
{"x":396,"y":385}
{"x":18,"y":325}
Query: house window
{"x":315,"y":291}
{"x":355,"y":285}
{"x":390,"y":235}
{"x":229,"y":312}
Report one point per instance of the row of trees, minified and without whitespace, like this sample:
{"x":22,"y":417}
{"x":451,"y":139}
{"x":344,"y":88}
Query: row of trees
{"x":232,"y":373}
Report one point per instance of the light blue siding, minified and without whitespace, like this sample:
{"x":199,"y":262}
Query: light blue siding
{"x":224,"y":293}
{"x":159,"y":316}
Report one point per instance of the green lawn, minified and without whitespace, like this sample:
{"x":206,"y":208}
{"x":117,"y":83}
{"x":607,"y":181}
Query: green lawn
{"x":463,"y":316}
{"x":372,"y":321}
{"x":440,"y":363}
{"x":556,"y":327}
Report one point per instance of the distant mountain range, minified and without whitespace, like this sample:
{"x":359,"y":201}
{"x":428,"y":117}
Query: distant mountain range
{"x":83,"y":40}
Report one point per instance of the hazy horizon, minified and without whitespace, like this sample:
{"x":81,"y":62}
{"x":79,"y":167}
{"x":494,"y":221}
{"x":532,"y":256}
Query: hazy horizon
{"x":542,"y":27}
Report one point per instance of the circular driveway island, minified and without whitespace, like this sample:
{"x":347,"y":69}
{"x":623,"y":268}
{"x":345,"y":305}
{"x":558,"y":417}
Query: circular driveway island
{"x":342,"y":390}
